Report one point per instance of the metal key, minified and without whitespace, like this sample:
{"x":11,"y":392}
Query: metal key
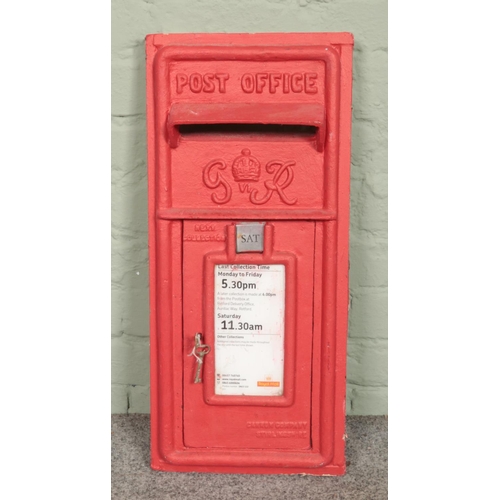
{"x":199,"y":351}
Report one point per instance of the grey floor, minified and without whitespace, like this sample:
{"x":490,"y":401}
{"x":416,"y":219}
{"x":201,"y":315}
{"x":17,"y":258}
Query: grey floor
{"x":132,"y":478}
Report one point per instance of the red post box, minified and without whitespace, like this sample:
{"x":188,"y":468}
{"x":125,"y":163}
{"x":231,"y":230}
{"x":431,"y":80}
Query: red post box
{"x":249,"y":155}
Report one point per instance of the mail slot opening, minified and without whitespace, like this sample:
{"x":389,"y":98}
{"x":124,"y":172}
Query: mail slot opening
{"x":274,"y":119}
{"x":273,"y":129}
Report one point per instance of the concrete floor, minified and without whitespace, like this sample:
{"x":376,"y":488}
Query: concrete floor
{"x":132,"y":478}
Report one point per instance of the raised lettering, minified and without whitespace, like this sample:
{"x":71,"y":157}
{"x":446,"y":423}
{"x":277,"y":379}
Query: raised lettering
{"x":248,"y":83}
{"x":310,"y":83}
{"x":182,"y":81}
{"x":286,"y":83}
{"x":260,"y":82}
{"x":196,"y":83}
{"x":297,"y":83}
{"x":222,"y":77}
{"x":204,"y":227}
{"x":274,"y":82}
{"x":208,"y":82}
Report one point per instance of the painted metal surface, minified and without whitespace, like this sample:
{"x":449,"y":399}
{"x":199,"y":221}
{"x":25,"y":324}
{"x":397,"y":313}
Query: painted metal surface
{"x":248,"y":128}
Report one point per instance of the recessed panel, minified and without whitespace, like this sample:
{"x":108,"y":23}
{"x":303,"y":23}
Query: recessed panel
{"x":256,"y":379}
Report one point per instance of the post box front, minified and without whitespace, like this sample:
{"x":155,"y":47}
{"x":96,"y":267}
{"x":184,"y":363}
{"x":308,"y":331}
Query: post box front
{"x":248,"y":153}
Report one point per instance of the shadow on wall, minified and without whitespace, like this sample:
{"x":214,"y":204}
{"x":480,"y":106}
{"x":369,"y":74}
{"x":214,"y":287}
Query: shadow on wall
{"x":367,"y":342}
{"x":130,"y":290}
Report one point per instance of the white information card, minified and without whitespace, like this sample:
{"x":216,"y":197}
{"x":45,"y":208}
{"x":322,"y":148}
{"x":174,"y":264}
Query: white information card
{"x":249,"y":329}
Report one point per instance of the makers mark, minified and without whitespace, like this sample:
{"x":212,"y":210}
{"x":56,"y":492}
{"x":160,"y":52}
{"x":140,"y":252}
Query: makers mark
{"x":246,"y":169}
{"x":270,"y":429}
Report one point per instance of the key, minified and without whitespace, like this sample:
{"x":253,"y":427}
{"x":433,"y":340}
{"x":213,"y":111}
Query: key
{"x":199,"y":363}
{"x":199,"y":352}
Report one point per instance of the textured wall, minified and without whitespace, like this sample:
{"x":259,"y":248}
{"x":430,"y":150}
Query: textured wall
{"x":367,"y":20}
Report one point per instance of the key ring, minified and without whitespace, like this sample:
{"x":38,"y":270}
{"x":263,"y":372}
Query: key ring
{"x":205,"y":349}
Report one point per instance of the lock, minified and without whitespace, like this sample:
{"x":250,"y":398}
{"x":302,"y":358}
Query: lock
{"x":248,"y":166}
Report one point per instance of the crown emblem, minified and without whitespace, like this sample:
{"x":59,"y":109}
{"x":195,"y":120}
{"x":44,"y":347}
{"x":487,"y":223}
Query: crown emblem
{"x":246,"y":167}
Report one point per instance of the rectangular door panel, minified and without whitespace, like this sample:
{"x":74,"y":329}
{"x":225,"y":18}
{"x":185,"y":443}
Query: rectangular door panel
{"x":254,"y":311}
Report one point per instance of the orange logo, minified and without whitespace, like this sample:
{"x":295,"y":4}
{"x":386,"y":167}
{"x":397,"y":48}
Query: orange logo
{"x":266,"y":383}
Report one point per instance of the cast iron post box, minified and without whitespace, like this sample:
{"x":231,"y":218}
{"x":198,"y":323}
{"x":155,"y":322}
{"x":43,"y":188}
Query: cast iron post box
{"x":249,"y":155}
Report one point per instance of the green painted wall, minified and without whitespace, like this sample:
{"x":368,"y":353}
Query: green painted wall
{"x":367,"y":20}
